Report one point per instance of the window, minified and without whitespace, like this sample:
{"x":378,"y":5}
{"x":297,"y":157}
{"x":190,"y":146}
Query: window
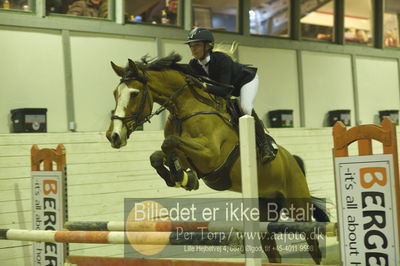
{"x":84,"y":8}
{"x":391,"y":28}
{"x":218,"y":15}
{"x":317,"y":19}
{"x":269,"y":17}
{"x":164,"y":12}
{"x":15,"y":5}
{"x":358,"y":22}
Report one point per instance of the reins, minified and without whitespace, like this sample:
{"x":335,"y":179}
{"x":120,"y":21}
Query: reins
{"x":133,"y":121}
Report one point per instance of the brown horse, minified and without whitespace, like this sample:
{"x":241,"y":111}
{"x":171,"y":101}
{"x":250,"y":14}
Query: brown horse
{"x":201,"y":141}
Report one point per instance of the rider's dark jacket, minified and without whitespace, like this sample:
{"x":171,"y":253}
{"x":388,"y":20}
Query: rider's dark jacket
{"x":223,"y":69}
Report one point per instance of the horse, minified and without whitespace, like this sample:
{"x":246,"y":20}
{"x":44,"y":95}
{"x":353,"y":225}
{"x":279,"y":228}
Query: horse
{"x":201,"y":140}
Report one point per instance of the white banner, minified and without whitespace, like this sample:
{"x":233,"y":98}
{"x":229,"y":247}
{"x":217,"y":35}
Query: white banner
{"x":366,"y":203}
{"x":48,"y":208}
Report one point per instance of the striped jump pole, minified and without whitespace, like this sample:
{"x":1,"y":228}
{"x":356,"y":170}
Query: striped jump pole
{"x":107,"y":261}
{"x":329,"y":229}
{"x":134,"y":238}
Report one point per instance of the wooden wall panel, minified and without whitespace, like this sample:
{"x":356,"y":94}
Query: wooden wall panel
{"x":99,"y":178}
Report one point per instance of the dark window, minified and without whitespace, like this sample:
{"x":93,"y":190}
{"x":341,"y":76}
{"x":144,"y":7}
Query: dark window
{"x":317,"y":19}
{"x":358,"y":22}
{"x":217,"y":15}
{"x":270,"y":17}
{"x":164,"y":12}
{"x":15,"y":5}
{"x":84,"y":8}
{"x":391,"y":23}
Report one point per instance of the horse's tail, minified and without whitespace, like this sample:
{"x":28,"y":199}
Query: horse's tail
{"x":319,"y":214}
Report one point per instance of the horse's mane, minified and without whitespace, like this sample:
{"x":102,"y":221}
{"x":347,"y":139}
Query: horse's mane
{"x":164,"y":63}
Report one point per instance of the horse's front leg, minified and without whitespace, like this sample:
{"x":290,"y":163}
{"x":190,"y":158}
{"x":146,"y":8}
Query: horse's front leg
{"x":158,"y":160}
{"x":178,"y":150}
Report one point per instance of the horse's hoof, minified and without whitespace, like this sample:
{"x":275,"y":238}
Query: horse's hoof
{"x":317,"y":261}
{"x":169,"y":183}
{"x":157,"y":159}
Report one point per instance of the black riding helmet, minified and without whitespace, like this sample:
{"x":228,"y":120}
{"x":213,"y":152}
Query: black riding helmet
{"x":200,"y":35}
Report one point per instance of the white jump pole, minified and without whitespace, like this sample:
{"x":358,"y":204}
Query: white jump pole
{"x":248,"y":160}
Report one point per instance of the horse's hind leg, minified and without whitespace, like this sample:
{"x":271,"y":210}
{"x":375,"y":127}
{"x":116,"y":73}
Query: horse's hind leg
{"x":157,"y":160}
{"x":270,"y":248}
{"x":306,"y":207}
{"x":268,"y":242}
{"x":313,"y":247}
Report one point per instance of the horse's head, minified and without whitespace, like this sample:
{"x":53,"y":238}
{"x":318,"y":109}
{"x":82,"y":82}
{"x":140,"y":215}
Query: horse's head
{"x":133,"y":103}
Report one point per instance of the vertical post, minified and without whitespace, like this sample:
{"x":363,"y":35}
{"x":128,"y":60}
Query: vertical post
{"x":40,"y":8}
{"x":244,"y":18}
{"x":69,"y":87}
{"x":355,"y":90}
{"x":339,"y":22}
{"x":111,"y":10}
{"x":120,"y":12}
{"x":295,"y":10}
{"x":248,"y":162}
{"x":379,"y":9}
{"x":302,"y":110}
{"x":187,"y":14}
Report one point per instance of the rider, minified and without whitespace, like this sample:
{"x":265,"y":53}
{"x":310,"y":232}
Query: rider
{"x":242,"y":81}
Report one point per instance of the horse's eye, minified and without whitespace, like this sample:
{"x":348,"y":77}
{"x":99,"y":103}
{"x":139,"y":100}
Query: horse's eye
{"x":134,"y":92}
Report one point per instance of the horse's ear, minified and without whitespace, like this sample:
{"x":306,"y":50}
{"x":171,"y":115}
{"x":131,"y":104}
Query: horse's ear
{"x":118,"y":70}
{"x":133,"y":68}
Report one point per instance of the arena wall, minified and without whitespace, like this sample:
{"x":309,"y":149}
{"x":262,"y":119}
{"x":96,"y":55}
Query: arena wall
{"x":308,"y":82}
{"x":99,"y":178}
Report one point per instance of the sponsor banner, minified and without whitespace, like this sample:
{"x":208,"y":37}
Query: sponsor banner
{"x":48,"y":213}
{"x":366,"y":199}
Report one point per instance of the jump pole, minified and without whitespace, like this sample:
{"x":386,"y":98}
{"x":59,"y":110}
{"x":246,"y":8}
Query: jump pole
{"x":329,"y":229}
{"x":103,"y":261}
{"x":248,"y":164}
{"x":132,"y":238}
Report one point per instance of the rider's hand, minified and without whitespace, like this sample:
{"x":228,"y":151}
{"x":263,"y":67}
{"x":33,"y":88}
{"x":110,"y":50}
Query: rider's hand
{"x":194,"y":82}
{"x":204,"y":86}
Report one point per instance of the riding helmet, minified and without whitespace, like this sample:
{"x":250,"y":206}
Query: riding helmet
{"x":200,"y":35}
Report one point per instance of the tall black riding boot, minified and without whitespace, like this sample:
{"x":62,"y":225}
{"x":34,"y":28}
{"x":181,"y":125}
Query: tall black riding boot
{"x":263,"y":141}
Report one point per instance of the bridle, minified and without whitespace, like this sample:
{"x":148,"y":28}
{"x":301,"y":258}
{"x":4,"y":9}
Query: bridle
{"x":132,"y":121}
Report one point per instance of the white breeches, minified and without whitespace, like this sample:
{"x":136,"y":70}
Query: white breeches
{"x":247,"y":95}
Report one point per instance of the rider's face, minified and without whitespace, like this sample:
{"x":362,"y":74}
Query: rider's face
{"x":198,"y":49}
